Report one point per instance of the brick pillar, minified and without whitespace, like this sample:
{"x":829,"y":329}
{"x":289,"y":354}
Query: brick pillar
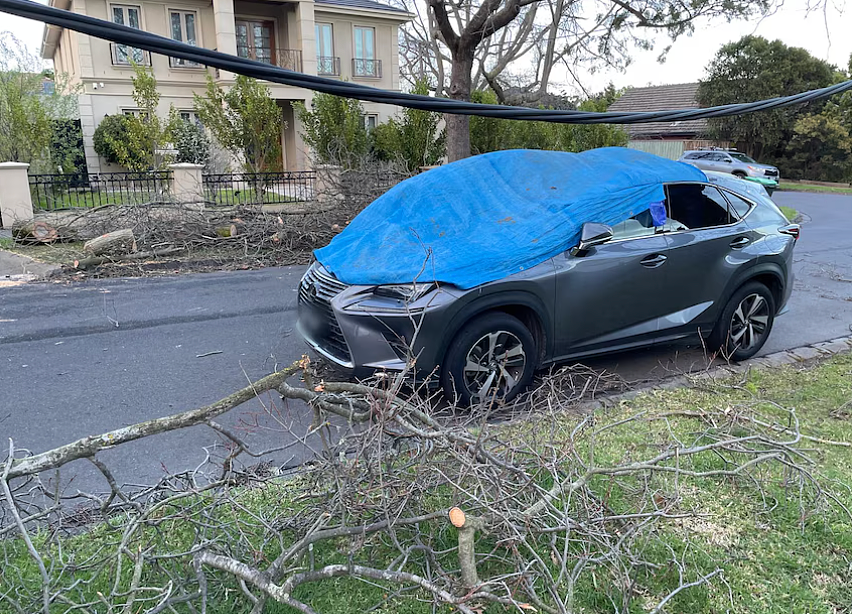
{"x":187,"y":184}
{"x":327,"y":184}
{"x":16,"y":203}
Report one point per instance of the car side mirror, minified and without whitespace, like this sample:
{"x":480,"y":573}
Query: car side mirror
{"x":729,"y":161}
{"x":593,"y":234}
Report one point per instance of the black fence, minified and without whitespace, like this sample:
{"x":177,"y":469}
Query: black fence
{"x":232,"y":189}
{"x":81,"y":191}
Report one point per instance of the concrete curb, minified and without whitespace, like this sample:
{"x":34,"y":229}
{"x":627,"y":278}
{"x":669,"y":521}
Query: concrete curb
{"x":800,"y":355}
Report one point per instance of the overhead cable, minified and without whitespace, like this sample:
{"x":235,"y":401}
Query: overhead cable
{"x":154,"y":43}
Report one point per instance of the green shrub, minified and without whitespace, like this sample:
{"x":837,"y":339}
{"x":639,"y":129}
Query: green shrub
{"x":334,"y":129}
{"x":112,"y":138}
{"x":190,"y":140}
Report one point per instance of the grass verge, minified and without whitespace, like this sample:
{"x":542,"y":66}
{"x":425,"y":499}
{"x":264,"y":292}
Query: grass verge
{"x":805,"y":187}
{"x":790,"y":213}
{"x":779,"y":554}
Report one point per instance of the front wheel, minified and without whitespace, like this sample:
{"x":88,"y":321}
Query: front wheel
{"x":745,"y":323}
{"x":493,"y":358}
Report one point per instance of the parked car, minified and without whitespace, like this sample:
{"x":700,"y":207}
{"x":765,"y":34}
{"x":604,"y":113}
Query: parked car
{"x":735,"y":163}
{"x":704,"y":263}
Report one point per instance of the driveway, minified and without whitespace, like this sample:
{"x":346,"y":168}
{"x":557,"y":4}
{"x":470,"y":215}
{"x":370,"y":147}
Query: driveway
{"x":79,"y":359}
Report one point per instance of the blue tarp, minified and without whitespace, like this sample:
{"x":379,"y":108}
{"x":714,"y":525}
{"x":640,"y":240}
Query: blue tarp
{"x":486,"y":217}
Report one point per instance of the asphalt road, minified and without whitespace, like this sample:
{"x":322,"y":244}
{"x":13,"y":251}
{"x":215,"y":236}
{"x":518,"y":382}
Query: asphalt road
{"x":79,"y":359}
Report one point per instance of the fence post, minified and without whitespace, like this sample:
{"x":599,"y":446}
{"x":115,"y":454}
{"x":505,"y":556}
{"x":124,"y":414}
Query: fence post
{"x":16,"y":203}
{"x":327,"y":183}
{"x":187,"y":183}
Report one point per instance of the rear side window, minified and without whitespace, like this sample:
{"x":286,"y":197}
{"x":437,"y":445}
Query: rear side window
{"x":739,"y":206}
{"x":697,"y":206}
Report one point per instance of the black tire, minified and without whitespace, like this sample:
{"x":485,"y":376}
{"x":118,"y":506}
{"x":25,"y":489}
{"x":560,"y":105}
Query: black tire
{"x":739,"y":174}
{"x":508,"y":377}
{"x":745,"y":322}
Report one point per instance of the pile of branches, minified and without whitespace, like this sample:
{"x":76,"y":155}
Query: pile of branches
{"x":413,"y":500}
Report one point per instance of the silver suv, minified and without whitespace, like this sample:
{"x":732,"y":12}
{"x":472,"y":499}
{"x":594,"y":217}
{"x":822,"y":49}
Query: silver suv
{"x":735,"y":163}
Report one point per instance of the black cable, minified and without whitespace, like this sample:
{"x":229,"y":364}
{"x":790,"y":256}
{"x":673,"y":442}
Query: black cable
{"x":159,"y":44}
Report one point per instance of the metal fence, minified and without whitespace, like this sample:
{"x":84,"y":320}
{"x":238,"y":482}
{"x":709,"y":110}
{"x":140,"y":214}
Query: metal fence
{"x":74,"y":191}
{"x":231,"y":189}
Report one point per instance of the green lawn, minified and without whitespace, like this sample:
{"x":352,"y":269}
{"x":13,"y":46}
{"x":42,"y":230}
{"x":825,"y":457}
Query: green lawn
{"x":790,"y":213}
{"x":804,"y":187}
{"x":779,"y":553}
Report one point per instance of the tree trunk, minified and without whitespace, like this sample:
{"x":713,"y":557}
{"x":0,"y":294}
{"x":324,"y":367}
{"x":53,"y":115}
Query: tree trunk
{"x":118,"y":242}
{"x":458,"y":126}
{"x":35,"y":231}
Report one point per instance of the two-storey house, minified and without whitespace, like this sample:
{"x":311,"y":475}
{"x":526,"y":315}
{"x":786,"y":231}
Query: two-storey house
{"x":354,"y":40}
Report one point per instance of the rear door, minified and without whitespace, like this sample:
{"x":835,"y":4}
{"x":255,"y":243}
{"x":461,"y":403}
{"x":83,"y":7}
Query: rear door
{"x":610,"y":297}
{"x":707,"y":243}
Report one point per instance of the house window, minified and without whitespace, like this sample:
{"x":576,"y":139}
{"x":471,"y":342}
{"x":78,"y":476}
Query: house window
{"x":256,"y":40}
{"x":127,"y":15}
{"x":327,"y":64}
{"x":365,"y":63}
{"x":189,"y":117}
{"x":182,"y":27}
{"x":371,"y":121}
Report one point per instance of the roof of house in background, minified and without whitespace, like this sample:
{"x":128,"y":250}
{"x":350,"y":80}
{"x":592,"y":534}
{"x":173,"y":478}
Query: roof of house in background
{"x":364,"y":4}
{"x":661,"y":98}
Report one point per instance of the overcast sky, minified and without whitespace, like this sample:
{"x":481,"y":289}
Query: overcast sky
{"x":688,"y":57}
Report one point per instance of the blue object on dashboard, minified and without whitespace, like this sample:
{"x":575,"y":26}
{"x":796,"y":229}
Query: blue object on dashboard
{"x":488,"y":216}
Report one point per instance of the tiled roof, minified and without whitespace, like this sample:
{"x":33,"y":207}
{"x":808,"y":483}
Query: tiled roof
{"x":662,"y":98}
{"x":364,"y":4}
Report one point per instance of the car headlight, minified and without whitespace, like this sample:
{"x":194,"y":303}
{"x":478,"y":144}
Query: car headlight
{"x":405,"y":292}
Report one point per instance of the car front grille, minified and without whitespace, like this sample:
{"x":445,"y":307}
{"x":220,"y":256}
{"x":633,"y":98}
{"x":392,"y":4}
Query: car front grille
{"x":315,"y":293}
{"x":771,"y":172}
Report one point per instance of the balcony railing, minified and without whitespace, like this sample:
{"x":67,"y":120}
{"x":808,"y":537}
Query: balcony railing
{"x":291,"y":59}
{"x":367,"y":67}
{"x":124,"y":55}
{"x":328,"y":65}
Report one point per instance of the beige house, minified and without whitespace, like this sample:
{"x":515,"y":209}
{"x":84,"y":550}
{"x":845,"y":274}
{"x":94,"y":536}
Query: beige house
{"x":353,"y":40}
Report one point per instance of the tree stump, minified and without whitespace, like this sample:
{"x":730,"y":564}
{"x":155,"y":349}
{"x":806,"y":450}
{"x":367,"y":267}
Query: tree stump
{"x":118,"y":242}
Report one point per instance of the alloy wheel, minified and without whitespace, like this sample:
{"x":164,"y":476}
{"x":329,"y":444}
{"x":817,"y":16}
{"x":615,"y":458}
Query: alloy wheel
{"x":749,"y":322}
{"x":494,"y":365}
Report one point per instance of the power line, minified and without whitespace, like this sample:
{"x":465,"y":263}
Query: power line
{"x":159,"y":44}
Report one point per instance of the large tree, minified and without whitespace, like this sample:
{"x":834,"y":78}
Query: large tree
{"x":754,"y":68}
{"x":462,"y":43}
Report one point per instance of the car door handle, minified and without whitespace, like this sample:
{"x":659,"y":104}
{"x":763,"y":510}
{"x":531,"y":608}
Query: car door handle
{"x":653,"y":261}
{"x":740,"y":242}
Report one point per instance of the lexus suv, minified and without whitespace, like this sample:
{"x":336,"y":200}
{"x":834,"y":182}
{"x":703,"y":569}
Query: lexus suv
{"x":736,"y":163}
{"x":720,"y":268}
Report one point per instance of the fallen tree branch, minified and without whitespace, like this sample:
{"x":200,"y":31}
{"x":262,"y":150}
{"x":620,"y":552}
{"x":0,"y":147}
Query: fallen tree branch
{"x":86,"y":263}
{"x":89,"y":446}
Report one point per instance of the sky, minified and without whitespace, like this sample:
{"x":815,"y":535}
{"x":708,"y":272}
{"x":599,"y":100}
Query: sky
{"x":825,"y":36}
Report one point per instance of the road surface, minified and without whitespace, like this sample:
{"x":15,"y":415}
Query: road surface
{"x":79,"y":359}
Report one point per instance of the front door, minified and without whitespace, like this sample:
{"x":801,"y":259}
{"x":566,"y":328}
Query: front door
{"x":612,"y":296}
{"x":256,"y":40}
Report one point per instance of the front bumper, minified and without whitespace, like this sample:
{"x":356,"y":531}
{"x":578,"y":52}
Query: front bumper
{"x":362,"y":334}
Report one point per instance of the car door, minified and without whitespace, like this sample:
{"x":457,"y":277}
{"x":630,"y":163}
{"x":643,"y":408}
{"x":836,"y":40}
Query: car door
{"x":707,"y":243}
{"x":608,"y":298}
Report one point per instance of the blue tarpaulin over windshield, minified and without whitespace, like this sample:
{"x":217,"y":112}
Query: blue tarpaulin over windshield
{"x":486,"y":217}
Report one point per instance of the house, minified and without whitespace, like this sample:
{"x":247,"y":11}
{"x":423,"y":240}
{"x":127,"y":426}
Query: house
{"x":353,"y":40}
{"x":666,"y":139}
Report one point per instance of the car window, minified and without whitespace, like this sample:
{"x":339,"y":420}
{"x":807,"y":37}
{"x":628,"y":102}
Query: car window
{"x":697,"y":206}
{"x":641,"y":225}
{"x":691,"y":156}
{"x":743,"y":158}
{"x":739,"y":206}
{"x":717,"y":157}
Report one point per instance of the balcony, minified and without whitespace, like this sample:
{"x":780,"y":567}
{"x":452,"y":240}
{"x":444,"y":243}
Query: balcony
{"x":124,"y":55}
{"x":291,"y":59}
{"x":328,"y":65}
{"x":367,"y":68}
